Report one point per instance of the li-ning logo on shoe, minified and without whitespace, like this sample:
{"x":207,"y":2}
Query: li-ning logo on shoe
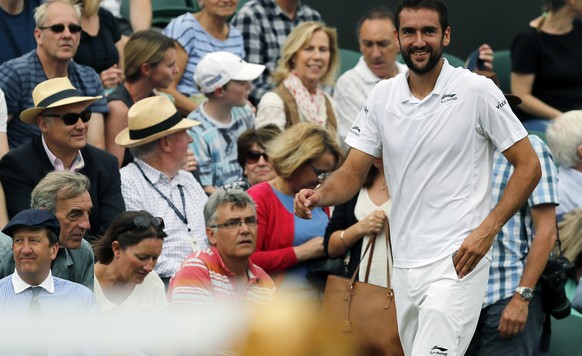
{"x":448,"y":97}
{"x":355,"y":130}
{"x":437,"y":350}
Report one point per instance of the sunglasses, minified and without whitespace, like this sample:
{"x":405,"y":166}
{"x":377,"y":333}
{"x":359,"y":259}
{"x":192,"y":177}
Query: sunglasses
{"x":250,"y":221}
{"x":58,"y":28}
{"x":142,"y":223}
{"x":321,"y":175}
{"x":71,"y":118}
{"x":255,"y":156}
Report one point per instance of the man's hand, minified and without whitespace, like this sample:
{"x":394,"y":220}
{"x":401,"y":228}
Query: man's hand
{"x":513,"y":318}
{"x":111,"y":77}
{"x":304,"y":200}
{"x":191,"y":163}
{"x":473,"y":249}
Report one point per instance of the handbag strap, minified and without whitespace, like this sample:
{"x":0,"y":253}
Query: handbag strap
{"x":389,"y":249}
{"x":369,"y":264}
{"x":370,"y":242}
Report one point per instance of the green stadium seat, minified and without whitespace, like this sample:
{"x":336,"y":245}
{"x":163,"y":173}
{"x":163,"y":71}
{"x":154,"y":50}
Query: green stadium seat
{"x":348,"y":59}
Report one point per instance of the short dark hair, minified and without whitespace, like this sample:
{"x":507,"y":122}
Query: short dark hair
{"x":251,"y":136}
{"x":438,"y":6}
{"x":123,"y":231}
{"x":375,"y":13}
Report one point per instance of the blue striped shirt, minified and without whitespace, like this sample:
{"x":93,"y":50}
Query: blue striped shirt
{"x":194,"y":39}
{"x":214,"y":145}
{"x":511,"y":245}
{"x":67,"y":299}
{"x":19,"y":76}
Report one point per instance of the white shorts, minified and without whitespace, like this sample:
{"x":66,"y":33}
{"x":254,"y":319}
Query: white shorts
{"x":437,"y":312}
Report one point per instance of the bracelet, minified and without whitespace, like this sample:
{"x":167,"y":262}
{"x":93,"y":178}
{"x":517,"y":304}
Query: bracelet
{"x":344,"y":241}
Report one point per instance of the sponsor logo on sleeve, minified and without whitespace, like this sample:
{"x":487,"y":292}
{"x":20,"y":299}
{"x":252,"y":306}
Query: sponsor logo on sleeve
{"x":501,"y":104}
{"x":355,"y":130}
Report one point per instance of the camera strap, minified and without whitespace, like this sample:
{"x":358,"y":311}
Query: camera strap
{"x":546,"y":335}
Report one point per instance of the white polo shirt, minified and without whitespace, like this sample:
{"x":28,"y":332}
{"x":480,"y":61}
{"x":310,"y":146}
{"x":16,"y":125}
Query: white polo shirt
{"x":437,"y":155}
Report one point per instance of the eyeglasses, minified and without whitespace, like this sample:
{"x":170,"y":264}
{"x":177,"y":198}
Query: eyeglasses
{"x":321,"y":175}
{"x":71,"y":118}
{"x":250,"y":221}
{"x":143,"y":223}
{"x":58,"y":28}
{"x":255,"y":156}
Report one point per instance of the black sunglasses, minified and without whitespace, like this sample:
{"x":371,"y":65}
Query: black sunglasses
{"x":58,"y":28}
{"x":143,"y":223}
{"x":255,"y":156}
{"x":71,"y":118}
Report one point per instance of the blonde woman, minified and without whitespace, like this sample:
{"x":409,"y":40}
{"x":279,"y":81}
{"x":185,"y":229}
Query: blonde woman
{"x":302,"y":156}
{"x":309,"y":60}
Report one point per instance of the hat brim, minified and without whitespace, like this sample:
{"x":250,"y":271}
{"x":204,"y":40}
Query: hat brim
{"x":29,"y":115}
{"x":123,"y":140}
{"x":250,"y":71}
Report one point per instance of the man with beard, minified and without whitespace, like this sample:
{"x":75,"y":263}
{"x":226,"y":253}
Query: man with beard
{"x":66,"y":195}
{"x":435,"y":127}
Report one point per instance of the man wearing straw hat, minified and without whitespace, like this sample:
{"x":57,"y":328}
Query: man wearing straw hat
{"x":61,"y":114}
{"x":157,"y":138}
{"x":57,"y":35}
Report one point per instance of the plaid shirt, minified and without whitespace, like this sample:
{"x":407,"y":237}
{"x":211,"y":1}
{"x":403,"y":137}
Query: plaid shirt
{"x":264,"y":27}
{"x":140,"y":195}
{"x":511,"y":245}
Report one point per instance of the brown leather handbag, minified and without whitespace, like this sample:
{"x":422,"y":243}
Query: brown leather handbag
{"x":364,"y":312}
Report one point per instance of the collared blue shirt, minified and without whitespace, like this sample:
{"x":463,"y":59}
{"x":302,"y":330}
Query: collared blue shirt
{"x":511,"y":245}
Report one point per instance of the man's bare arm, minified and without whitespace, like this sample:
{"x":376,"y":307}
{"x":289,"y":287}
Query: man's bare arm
{"x":338,"y":187}
{"x":525,"y":177}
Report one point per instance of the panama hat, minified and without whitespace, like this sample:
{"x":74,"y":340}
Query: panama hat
{"x":152,"y":118}
{"x":53,"y":93}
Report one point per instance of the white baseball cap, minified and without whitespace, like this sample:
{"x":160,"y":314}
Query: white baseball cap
{"x":219,"y":68}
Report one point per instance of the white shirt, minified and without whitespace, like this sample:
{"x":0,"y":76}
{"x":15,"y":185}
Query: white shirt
{"x":381,"y":257}
{"x":351,"y":90}
{"x":570,"y":190}
{"x":437,"y":155}
{"x":138,"y":194}
{"x":149,"y":296}
{"x":3,"y":112}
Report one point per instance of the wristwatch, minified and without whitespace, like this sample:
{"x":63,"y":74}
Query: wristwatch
{"x":525,"y":293}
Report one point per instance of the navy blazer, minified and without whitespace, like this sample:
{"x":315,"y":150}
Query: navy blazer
{"x":22,"y":168}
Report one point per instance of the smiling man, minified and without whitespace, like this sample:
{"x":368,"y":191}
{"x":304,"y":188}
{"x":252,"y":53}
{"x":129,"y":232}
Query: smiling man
{"x":62,"y":115}
{"x":57,"y":35}
{"x":66,"y":195}
{"x":224,"y":272}
{"x":32,"y":287}
{"x":435,"y":127}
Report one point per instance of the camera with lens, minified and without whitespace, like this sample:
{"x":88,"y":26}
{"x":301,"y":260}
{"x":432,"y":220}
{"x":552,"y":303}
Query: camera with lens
{"x":554,"y":277}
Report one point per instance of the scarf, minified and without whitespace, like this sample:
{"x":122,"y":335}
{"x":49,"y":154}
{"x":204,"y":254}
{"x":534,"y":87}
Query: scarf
{"x":311,"y":107}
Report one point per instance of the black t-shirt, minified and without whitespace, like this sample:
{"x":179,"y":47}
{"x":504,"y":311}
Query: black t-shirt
{"x":556,"y":61}
{"x":99,"y":52}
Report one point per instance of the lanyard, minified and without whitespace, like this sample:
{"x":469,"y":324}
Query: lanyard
{"x":182,"y":217}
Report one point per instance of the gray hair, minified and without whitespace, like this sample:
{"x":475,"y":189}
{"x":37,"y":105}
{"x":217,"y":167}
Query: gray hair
{"x":41,"y":11}
{"x":144,"y":151}
{"x":58,"y":185}
{"x":564,"y":136}
{"x":220,"y":197}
